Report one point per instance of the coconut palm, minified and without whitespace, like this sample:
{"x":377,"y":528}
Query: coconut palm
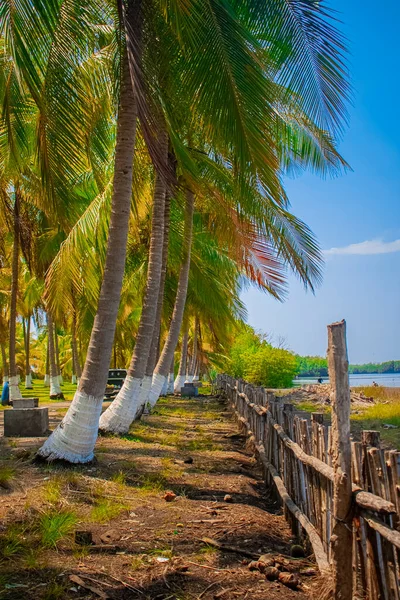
{"x":234,"y":99}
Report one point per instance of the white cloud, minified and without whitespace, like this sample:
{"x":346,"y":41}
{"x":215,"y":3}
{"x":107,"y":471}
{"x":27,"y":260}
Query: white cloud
{"x":367,"y":248}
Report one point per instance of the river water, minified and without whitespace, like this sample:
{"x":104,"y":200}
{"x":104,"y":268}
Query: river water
{"x":383,"y":380}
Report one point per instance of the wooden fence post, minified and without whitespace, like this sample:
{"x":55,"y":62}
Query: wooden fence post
{"x":342,"y":538}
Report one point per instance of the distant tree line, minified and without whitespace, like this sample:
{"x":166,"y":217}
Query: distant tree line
{"x":316,"y":366}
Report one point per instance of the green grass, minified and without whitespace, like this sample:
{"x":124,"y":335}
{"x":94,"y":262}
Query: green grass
{"x":106,"y":509}
{"x":385,"y":411}
{"x":43,"y":393}
{"x":55,"y":525}
{"x":52,"y":491}
{"x":7,"y":474}
{"x":55,"y":591}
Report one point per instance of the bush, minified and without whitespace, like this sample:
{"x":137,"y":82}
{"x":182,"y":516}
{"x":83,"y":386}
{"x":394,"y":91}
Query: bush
{"x":255,"y":360}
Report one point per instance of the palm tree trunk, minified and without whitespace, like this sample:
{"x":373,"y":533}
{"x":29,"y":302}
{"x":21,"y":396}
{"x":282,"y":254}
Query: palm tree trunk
{"x":46,"y":382}
{"x":122,"y":411}
{"x":28,"y":375}
{"x":195,"y":361}
{"x":192,"y":362}
{"x":4,"y":362}
{"x":57,"y":355}
{"x":13,"y":382}
{"x":181,"y":376}
{"x":170,"y":378}
{"x":55,"y":390}
{"x":75,"y":437}
{"x":75,"y":354}
{"x":164,"y":362}
{"x":155,"y":343}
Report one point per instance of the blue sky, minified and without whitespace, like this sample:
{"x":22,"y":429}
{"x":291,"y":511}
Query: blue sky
{"x":356,"y":217}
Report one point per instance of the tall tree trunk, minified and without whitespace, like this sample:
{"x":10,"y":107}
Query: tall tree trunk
{"x":181,"y":376}
{"x":14,"y":387}
{"x":75,"y":354}
{"x":57,"y":355}
{"x":121,"y":412}
{"x":46,"y":382}
{"x":75,"y":437}
{"x":192,"y":363}
{"x":28,"y":375}
{"x":195,"y":360}
{"x":155,"y":343}
{"x":164,"y":362}
{"x":170,"y":379}
{"x":4,"y":362}
{"x":55,"y":390}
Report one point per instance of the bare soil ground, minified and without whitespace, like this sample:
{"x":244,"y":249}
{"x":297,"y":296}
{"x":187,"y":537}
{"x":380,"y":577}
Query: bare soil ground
{"x":132,"y":524}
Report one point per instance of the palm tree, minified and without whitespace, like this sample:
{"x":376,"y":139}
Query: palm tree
{"x":181,"y":376}
{"x":235,"y":99}
{"x":120,"y":414}
{"x":164,"y":362}
{"x":74,"y":440}
{"x":55,"y":389}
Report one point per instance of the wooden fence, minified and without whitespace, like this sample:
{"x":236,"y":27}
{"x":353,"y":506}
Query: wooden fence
{"x":297,"y":456}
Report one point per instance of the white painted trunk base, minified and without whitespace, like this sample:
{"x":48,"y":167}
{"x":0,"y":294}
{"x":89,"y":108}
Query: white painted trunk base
{"x":121,"y":412}
{"x":75,"y":437}
{"x":143,"y":395}
{"x":195,"y":378}
{"x":60,"y":380}
{"x":14,"y":391}
{"x":189,"y":378}
{"x":55,"y":386}
{"x":73,"y":379}
{"x":170,"y":389}
{"x":28,"y":382}
{"x":46,"y":380}
{"x":5,"y":378}
{"x":164,"y":390}
{"x":178,"y":383}
{"x":156,"y":388}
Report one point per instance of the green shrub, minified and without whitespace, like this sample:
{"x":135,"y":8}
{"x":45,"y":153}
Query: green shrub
{"x":254,"y":359}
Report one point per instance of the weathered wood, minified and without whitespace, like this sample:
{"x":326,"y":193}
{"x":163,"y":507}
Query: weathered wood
{"x":371,"y":438}
{"x":320,"y":555}
{"x":317,"y":418}
{"x":341,"y":539}
{"x":391,"y":535}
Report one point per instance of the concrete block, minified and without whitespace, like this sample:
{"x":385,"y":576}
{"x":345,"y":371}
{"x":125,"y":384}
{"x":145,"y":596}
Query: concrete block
{"x":26,"y":422}
{"x":189,"y":390}
{"x":25,"y":403}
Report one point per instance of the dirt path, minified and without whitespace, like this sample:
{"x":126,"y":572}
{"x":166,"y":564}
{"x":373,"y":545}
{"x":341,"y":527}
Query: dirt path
{"x":143,"y":545}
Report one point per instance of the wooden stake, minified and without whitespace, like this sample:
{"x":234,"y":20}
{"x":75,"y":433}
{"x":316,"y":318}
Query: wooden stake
{"x":341,"y":538}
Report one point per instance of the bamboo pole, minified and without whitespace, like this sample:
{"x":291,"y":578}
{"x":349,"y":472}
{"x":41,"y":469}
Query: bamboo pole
{"x":342,"y":537}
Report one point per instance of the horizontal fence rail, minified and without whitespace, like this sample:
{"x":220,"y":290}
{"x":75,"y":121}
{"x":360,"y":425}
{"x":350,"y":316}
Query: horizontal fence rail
{"x":296,"y":455}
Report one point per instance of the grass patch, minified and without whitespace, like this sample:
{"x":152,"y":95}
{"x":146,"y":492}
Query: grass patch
{"x":105,"y":509}
{"x":52,"y":491}
{"x":154,"y":482}
{"x":385,"y":411}
{"x":54,"y":591}
{"x":7,"y":474}
{"x":12,"y":542}
{"x":119,"y":478}
{"x":54,"y":526}
{"x":137,"y":563}
{"x":312,"y":407}
{"x":43,"y":393}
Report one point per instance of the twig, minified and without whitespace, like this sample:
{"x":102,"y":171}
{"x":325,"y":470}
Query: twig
{"x":207,"y":588}
{"x":205,"y":566}
{"x":130,"y":587}
{"x":220,"y":546}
